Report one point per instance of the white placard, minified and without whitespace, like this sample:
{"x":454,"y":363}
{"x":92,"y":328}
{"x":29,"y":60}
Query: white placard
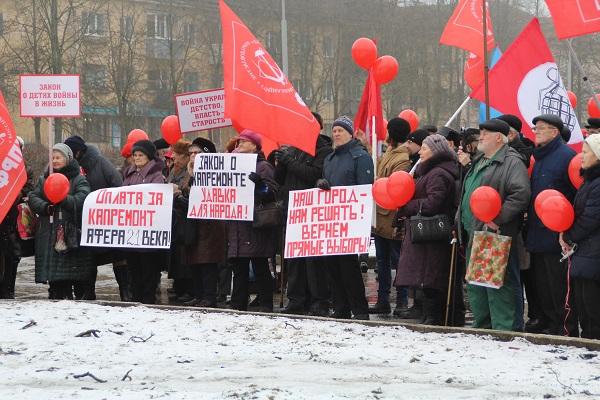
{"x":221,"y":188}
{"x":49,"y":96}
{"x":329,"y":222}
{"x":137,"y":216}
{"x":203,"y":110}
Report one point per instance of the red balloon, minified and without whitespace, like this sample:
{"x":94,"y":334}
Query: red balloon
{"x":575,"y":169}
{"x":473,"y":72}
{"x":126,"y":150}
{"x":572,"y":98}
{"x":593,"y":110}
{"x":136,"y":135}
{"x":557,"y":213}
{"x":531,"y":164}
{"x":485,"y":203}
{"x":56,"y":188}
{"x":364,"y":52}
{"x":400,"y":188}
{"x":411,"y":117}
{"x":385,"y":69}
{"x":170,"y":129}
{"x":541,"y":197}
{"x":381,"y":196}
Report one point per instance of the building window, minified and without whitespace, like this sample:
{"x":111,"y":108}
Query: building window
{"x":94,"y":24}
{"x":190,"y":81}
{"x":327,"y":47}
{"x":158,"y":80}
{"x":127,"y":27}
{"x":189,"y":34}
{"x":94,"y":75}
{"x":158,"y":26}
{"x":328,"y":91}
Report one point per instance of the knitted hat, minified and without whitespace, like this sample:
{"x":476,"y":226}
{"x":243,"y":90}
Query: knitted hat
{"x":495,"y":125}
{"x":205,"y":145}
{"x":146,"y":147}
{"x":417,"y":136}
{"x":64,"y":149}
{"x":251,"y":136}
{"x":181,"y":146}
{"x":76,"y":143}
{"x":594,"y":142}
{"x":344,"y":122}
{"x":398,"y":129}
{"x":512,"y":120}
{"x":438,"y":144}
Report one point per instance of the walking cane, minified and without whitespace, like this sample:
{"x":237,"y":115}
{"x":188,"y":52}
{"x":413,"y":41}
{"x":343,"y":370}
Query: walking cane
{"x":451,"y":277}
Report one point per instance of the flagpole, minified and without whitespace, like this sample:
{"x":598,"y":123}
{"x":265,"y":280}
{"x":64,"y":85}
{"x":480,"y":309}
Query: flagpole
{"x":453,"y":117}
{"x":588,"y":84}
{"x":486,"y":68}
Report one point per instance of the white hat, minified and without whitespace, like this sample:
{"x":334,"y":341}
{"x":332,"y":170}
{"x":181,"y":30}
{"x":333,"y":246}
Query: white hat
{"x":594,"y":142}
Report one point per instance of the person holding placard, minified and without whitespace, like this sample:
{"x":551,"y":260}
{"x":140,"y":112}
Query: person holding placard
{"x":253,"y":245}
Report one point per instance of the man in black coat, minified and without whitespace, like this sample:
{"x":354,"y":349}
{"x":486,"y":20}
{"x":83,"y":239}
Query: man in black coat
{"x":307,"y":288}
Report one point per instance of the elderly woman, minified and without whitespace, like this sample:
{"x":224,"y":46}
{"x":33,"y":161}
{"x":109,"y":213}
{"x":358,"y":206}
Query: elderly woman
{"x":585,"y":232}
{"x":426,"y":265}
{"x":144,"y":264}
{"x":253,"y":245}
{"x":68,"y":270}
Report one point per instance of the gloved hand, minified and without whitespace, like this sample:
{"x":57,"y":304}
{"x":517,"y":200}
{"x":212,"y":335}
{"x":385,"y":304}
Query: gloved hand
{"x":282,"y":156}
{"x":323,"y":184}
{"x":254,"y":177}
{"x":50,"y":209}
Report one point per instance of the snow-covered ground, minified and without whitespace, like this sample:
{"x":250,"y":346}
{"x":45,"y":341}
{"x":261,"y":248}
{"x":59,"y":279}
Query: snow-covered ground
{"x":144,"y":353}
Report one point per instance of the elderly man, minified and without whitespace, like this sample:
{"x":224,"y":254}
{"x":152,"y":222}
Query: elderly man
{"x":550,"y":171}
{"x":501,"y":167}
{"x":348,"y":165}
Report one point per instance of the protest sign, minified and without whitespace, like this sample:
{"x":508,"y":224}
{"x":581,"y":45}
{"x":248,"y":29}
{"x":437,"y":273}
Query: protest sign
{"x":200,"y":111}
{"x":221,"y":188}
{"x":49,"y":96}
{"x":329,"y":222}
{"x":137,"y":216}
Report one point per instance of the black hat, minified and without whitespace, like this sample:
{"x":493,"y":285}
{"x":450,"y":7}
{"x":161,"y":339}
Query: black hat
{"x":495,"y":125}
{"x":398,"y":129}
{"x":512,"y":120}
{"x":551,"y":119}
{"x":470,"y":132}
{"x":206,"y":145}
{"x":76,"y":143}
{"x":565,"y":133}
{"x":430,"y":128}
{"x":161,"y":144}
{"x":417,"y":136}
{"x":146,"y":147}
{"x":593,"y":123}
{"x":450,"y":134}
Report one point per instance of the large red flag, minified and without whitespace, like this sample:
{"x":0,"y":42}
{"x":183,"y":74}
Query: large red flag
{"x":575,"y":17}
{"x":465,"y":28}
{"x":258,"y":95}
{"x":12,"y":167}
{"x":369,"y":106}
{"x":526,"y":82}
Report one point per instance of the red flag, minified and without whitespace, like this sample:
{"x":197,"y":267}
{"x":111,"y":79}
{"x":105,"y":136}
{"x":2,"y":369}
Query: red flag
{"x":525,"y":82}
{"x":258,"y":95}
{"x":575,"y":17}
{"x":369,"y":106}
{"x":473,"y":71}
{"x":465,"y":28}
{"x":12,"y":167}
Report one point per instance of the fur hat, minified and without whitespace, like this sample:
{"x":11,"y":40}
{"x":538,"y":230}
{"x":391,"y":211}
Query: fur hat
{"x":344,"y":122}
{"x":398,"y":129}
{"x":146,"y":147}
{"x":65,"y":150}
{"x":205,"y":145}
{"x":76,"y":143}
{"x":181,"y":146}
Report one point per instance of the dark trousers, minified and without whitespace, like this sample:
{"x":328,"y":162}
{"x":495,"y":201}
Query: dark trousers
{"x":7,"y":282}
{"x":224,"y":285}
{"x":551,"y":281}
{"x":69,"y":290}
{"x":587,"y":304}
{"x":264,"y":282}
{"x":456,"y":308}
{"x":387,"y":252}
{"x":307,"y":283}
{"x":347,"y":285}
{"x":143,"y":272}
{"x":122,"y":277}
{"x":204,"y":282}
{"x":529,"y":285}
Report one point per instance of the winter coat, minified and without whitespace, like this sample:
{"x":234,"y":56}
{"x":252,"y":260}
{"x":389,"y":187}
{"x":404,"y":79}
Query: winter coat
{"x":99,"y":172}
{"x":585,"y":231}
{"x":508,"y":175}
{"x":427,"y":264}
{"x":242,"y":239}
{"x":523,"y":147}
{"x":301,"y":170}
{"x":9,"y":237}
{"x":50,"y":266}
{"x":151,"y":173}
{"x":550,"y":171}
{"x":349,"y":165}
{"x":177,"y":266}
{"x":394,"y":159}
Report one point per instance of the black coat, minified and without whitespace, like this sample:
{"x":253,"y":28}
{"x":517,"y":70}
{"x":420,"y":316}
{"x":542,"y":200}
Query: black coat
{"x":99,"y":172}
{"x":524,"y":147}
{"x":586,"y":228}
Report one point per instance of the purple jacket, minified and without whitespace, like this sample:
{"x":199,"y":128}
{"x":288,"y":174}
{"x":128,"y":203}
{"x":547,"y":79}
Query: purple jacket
{"x":151,"y":173}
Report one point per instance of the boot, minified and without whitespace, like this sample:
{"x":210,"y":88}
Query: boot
{"x":414,"y":312}
{"x":381,"y":307}
{"x":432,"y":310}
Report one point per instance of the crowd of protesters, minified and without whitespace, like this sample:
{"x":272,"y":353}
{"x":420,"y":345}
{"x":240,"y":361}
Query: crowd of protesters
{"x":211,"y":260}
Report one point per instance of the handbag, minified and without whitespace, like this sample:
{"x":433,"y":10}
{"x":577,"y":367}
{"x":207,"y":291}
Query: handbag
{"x":488,"y":259}
{"x":429,"y":229}
{"x":27,"y":222}
{"x":268,"y":215}
{"x":67,"y":234}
